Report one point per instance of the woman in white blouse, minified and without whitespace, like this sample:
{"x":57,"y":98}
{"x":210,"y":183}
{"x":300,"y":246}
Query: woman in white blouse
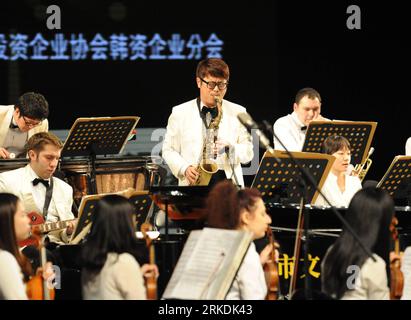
{"x":229,"y":208}
{"x":339,"y":187}
{"x":347,"y":271}
{"x":14,"y":267}
{"x":110,"y":269}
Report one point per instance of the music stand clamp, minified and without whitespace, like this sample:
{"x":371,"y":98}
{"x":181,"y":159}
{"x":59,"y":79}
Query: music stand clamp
{"x":397,"y":180}
{"x":358,"y":133}
{"x":91,"y":137}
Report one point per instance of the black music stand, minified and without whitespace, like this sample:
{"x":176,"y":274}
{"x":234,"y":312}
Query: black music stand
{"x":144,"y":206}
{"x":397,"y":180}
{"x":359,"y":134}
{"x":98,"y":136}
{"x":281,"y":181}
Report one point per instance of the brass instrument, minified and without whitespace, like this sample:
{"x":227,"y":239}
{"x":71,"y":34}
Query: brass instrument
{"x":208,"y":164}
{"x":362,"y":168}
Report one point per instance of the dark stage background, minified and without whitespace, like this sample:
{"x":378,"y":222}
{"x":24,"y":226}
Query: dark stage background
{"x":273,"y":49}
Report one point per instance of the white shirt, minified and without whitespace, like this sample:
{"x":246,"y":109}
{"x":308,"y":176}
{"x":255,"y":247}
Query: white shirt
{"x":119,"y":279}
{"x":15,"y":140}
{"x":408,"y":147}
{"x":331,"y":190}
{"x":249,"y":283}
{"x":288,"y":130}
{"x":372,"y":282}
{"x":38,"y":191}
{"x":11,"y":279}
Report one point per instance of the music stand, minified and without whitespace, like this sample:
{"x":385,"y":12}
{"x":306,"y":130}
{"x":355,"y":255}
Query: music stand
{"x":358,"y":133}
{"x":140,"y":200}
{"x":85,"y":216}
{"x":144,"y":206}
{"x":98,"y":136}
{"x":397,"y":180}
{"x":282,"y":179}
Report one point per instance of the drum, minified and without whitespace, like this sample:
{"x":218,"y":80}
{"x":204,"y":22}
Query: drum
{"x":11,"y":164}
{"x":112,"y":174}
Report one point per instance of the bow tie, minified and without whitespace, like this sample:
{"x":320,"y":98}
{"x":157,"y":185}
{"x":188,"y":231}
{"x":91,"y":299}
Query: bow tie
{"x":37,"y":181}
{"x":304,"y":128}
{"x":213,"y":111}
{"x":13,"y":126}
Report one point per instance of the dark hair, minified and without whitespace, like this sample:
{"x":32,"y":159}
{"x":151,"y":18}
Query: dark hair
{"x":225,"y":203}
{"x":369,"y":214}
{"x":33,"y":105}
{"x":334,"y":143}
{"x":307,"y":92}
{"x":39,"y":140}
{"x":213,"y":67}
{"x":8,"y":239}
{"x":112,"y":230}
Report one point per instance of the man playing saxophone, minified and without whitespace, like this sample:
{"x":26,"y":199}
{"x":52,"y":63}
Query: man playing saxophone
{"x":207,"y":127}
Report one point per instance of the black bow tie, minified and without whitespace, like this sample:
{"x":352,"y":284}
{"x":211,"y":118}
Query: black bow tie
{"x":37,"y":181}
{"x":13,"y":126}
{"x":304,"y":128}
{"x":213,"y":111}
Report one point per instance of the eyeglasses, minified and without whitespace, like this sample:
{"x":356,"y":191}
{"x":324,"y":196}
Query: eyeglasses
{"x":31,"y":124}
{"x":211,"y":84}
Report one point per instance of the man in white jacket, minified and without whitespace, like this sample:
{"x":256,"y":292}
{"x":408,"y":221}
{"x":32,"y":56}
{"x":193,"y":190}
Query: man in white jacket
{"x":20,"y":121}
{"x":188,"y":123}
{"x":34,"y":184}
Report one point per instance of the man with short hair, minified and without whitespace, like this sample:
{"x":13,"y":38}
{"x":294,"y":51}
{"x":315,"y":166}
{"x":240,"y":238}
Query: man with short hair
{"x":291,"y":129}
{"x":21,"y":121}
{"x":190,"y":122}
{"x":36,"y":187}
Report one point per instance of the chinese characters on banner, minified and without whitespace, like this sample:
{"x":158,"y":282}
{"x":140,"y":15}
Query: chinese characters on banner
{"x":286,"y":266}
{"x":120,"y":46}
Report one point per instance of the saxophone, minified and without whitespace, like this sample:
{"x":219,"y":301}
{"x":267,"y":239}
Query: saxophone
{"x":208,"y":164}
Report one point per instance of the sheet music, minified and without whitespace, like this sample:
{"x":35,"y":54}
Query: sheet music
{"x":208,"y":259}
{"x":406,"y":270}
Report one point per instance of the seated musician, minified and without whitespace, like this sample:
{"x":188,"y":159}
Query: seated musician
{"x":229,"y":208}
{"x":339,"y":187}
{"x":15,"y":268}
{"x":369,"y":214}
{"x":109,"y":255}
{"x":408,"y":147}
{"x":36,"y":187}
{"x":21,"y":121}
{"x":291,"y":129}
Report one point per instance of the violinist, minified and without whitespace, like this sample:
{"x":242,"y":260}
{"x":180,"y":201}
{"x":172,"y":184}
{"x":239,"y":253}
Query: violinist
{"x":110,"y":255}
{"x":229,"y":208}
{"x":15,"y":269}
{"x":370,"y":214}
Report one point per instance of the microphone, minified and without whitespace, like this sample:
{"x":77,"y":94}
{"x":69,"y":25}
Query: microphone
{"x":250,"y":124}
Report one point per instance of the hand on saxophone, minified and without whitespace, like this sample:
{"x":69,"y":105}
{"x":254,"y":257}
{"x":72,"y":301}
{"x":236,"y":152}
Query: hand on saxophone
{"x":191,"y":174}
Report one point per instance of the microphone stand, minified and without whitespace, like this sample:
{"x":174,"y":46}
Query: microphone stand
{"x":307,"y":177}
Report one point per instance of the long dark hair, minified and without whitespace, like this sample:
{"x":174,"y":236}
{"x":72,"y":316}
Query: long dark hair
{"x":8,"y":239}
{"x":225,"y":203}
{"x":369,"y":214}
{"x":112,"y":230}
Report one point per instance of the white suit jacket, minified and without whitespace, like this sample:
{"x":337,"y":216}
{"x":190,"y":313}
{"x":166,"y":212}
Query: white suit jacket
{"x":408,"y":147}
{"x":19,"y":183}
{"x":184,"y":139}
{"x":6,"y":113}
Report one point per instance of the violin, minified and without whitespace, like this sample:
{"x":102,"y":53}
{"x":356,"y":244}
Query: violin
{"x":397,"y":277}
{"x":271,"y":271}
{"x":151,"y":282}
{"x":37,"y":287}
